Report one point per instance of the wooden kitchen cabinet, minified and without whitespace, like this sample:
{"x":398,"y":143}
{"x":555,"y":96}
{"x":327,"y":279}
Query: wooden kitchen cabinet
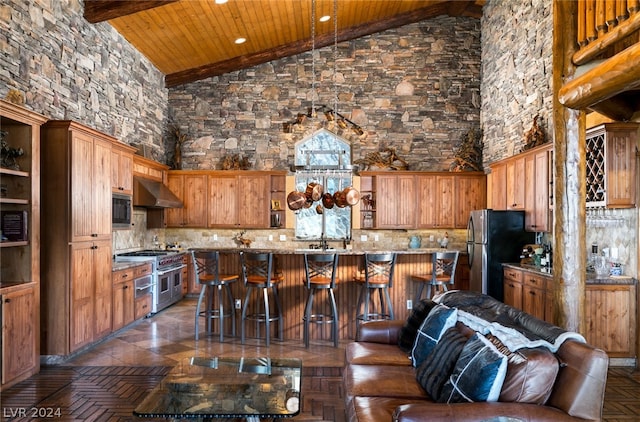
{"x":191,"y":188}
{"x":538,"y":189}
{"x":20,"y":325}
{"x":123,"y":298}
{"x":435,"y":193}
{"x":76,"y":283}
{"x":395,"y":194}
{"x":239,"y":199}
{"x":223,"y":201}
{"x":515,"y":172}
{"x":512,"y":281}
{"x":611,"y":165}
{"x":122,"y":168}
{"x":611,"y":318}
{"x":470,"y":194}
{"x":498,"y":186}
{"x":534,"y":295}
{"x":90,"y":288}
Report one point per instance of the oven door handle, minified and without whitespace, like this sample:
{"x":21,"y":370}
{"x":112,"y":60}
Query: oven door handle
{"x":146,"y":286}
{"x":170,"y":270}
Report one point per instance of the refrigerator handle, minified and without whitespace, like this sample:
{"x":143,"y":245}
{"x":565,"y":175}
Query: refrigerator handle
{"x":470,"y":241}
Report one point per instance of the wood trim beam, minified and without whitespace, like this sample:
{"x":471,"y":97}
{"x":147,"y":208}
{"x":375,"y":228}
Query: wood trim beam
{"x":96,"y":11}
{"x":620,"y":108}
{"x":595,"y":48}
{"x":347,"y":34}
{"x":614,"y":76}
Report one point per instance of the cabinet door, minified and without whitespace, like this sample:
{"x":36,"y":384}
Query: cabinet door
{"x":530,"y":193}
{"x":254,"y":201}
{"x":121,"y":172}
{"x":426,"y":188}
{"x":81,"y":323}
{"x":621,"y":168}
{"x":515,"y":184}
{"x":81,"y":187}
{"x":175,"y":183}
{"x":223,"y":200}
{"x":533,"y":301}
{"x":101,"y":188}
{"x":470,"y":194}
{"x":610,"y":311}
{"x":499,"y":187}
{"x":19,"y":329}
{"x":195,"y":201}
{"x":395,"y":194}
{"x":513,"y":287}
{"x":444,"y":201}
{"x":122,"y":294}
{"x":103,"y":289}
{"x":542,"y":191}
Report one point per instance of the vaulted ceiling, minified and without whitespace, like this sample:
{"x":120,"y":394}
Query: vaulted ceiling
{"x":189,"y":40}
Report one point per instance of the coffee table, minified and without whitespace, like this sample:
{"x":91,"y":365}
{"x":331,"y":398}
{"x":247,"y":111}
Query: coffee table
{"x":227,"y":387}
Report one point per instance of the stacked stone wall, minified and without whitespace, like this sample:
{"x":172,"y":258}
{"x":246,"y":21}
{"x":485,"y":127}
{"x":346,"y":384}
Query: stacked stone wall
{"x":67,"y":68}
{"x":517,"y":47}
{"x":414,"y":89}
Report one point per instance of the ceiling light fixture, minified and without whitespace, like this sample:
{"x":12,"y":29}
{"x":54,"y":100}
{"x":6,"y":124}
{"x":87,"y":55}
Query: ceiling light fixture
{"x":221,"y":1}
{"x":240,"y":40}
{"x":324,"y":18}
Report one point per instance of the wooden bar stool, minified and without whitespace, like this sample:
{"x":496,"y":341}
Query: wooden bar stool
{"x":320,"y":274}
{"x":443,"y":273}
{"x":376,"y":276}
{"x":214,"y":286}
{"x":259,"y":272}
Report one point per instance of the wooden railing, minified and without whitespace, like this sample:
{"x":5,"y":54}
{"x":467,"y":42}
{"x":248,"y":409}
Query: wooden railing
{"x":603,"y":23}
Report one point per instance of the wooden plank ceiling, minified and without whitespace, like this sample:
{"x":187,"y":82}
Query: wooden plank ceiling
{"x":189,"y":40}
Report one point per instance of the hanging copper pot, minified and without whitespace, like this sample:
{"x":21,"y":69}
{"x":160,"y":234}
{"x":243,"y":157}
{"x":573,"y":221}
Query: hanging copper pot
{"x":327,"y":200}
{"x":296,"y":200}
{"x":352,"y":196}
{"x":340,"y":199}
{"x":314,"y":191}
{"x":319,"y":209}
{"x":307,"y":203}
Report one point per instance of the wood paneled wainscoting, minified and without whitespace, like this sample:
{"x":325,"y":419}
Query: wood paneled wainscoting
{"x":293,"y":293}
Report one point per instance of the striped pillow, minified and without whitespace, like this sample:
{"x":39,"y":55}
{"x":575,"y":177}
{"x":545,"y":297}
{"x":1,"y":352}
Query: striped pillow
{"x":435,"y":369}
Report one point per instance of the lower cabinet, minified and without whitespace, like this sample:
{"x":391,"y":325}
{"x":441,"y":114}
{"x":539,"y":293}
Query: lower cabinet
{"x":610,"y":309}
{"x":20,"y":355}
{"x":123,"y":298}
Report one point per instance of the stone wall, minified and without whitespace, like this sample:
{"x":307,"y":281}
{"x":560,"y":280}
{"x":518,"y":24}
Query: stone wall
{"x":67,"y":68}
{"x":517,"y":45}
{"x":415,"y":89}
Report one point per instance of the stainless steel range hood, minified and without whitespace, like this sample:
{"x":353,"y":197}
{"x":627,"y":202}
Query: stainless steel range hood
{"x":153,"y":194}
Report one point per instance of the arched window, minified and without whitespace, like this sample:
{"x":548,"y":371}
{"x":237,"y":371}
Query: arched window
{"x":323,"y":158}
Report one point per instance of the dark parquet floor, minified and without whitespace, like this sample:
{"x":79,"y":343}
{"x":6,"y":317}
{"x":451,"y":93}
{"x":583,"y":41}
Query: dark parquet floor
{"x":107,"y":382}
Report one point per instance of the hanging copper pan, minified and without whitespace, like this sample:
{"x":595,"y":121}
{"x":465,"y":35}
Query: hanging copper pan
{"x":327,"y":200}
{"x":314,"y":191}
{"x":296,"y":200}
{"x":352,"y":196}
{"x":340,"y":199}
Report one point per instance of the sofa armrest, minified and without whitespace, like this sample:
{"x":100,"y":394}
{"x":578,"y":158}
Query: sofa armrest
{"x":473,"y":412}
{"x":380,"y":331}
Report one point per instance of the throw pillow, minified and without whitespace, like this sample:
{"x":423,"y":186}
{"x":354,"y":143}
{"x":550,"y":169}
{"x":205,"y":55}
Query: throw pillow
{"x":478,"y":374}
{"x":531,"y":374}
{"x":407,"y":335}
{"x":435,"y":369}
{"x":439,"y":320}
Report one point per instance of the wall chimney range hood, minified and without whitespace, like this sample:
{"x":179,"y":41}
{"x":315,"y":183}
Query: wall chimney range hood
{"x":153,"y":194}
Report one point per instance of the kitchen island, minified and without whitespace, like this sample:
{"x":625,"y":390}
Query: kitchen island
{"x":610,"y":307}
{"x":293,"y":293}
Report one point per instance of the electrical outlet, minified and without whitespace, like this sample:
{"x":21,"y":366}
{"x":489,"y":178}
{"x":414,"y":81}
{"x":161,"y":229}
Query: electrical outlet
{"x":409,"y":304}
{"x":270,"y":238}
{"x":238,"y":304}
{"x":283,"y":237}
{"x":215,"y":237}
{"x":364,"y":238}
{"x":376,"y":237}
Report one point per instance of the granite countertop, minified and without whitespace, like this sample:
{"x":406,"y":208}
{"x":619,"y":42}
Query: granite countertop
{"x":119,"y":266}
{"x":301,"y":251}
{"x":592,"y":278}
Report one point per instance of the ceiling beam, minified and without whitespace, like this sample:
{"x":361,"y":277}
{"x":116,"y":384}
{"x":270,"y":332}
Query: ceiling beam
{"x":103,"y":10}
{"x":347,"y":34}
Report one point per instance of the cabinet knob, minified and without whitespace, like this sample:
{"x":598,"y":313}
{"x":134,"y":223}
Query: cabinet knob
{"x":7,"y":300}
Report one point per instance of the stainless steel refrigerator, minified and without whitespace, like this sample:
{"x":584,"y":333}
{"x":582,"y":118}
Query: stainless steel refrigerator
{"x":493,"y":238}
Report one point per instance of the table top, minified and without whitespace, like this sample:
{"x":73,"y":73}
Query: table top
{"x":221,"y":387}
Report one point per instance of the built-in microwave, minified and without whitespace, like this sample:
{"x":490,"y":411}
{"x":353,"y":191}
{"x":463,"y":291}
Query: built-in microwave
{"x":121,"y":209}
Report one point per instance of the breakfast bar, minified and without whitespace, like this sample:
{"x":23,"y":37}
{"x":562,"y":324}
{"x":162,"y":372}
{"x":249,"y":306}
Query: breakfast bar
{"x":293,"y":294}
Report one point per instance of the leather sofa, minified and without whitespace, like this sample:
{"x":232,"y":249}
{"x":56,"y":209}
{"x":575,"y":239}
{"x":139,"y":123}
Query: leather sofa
{"x":381,"y":382}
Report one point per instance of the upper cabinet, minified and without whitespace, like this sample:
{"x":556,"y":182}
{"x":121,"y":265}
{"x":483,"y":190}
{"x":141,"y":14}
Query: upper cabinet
{"x":122,"y":168}
{"x":611,"y":165}
{"x":420,"y":200}
{"x":224,"y":199}
{"x":524,"y":182}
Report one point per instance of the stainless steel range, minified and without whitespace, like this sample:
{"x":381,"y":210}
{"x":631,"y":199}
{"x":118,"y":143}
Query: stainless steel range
{"x":167,"y":275}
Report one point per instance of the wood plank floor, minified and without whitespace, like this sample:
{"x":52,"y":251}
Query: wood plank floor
{"x":108,"y":381}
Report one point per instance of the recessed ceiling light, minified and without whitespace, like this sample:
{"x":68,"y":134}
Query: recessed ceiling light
{"x":325,"y":18}
{"x":240,"y":40}
{"x":221,"y":1}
